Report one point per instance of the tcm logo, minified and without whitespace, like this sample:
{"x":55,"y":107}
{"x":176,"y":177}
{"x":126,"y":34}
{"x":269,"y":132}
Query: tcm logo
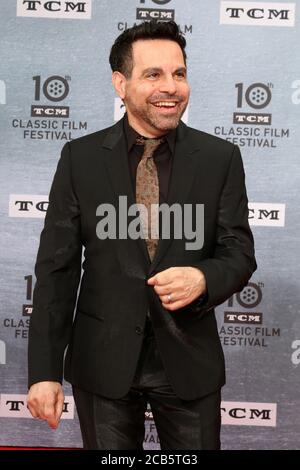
{"x":27,"y":309}
{"x":257,"y":13}
{"x":296,"y":93}
{"x":2,"y":352}
{"x":266,"y":214}
{"x":249,"y":298}
{"x":28,"y":205}
{"x":54,"y":89}
{"x":243,"y":317}
{"x":256,"y":96}
{"x":55,"y":9}
{"x":249,"y":414}
{"x":295,"y":357}
{"x":2,"y":92}
{"x":119,"y":111}
{"x":15,"y":406}
{"x":155,"y":13}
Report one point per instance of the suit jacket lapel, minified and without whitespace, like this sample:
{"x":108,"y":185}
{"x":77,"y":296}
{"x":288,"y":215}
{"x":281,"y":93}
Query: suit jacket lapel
{"x":116,"y":161}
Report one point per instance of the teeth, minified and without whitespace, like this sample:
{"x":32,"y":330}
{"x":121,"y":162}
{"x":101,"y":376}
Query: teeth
{"x":168,"y":104}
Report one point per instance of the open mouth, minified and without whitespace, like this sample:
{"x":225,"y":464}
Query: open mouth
{"x":163,"y":104}
{"x":166,"y":105}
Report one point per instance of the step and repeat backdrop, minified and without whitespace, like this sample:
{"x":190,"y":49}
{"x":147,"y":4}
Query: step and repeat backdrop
{"x":244,"y":72}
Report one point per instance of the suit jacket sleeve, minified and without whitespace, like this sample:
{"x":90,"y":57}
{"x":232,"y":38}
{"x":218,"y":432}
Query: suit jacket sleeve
{"x":57,"y":270}
{"x":233,"y":261}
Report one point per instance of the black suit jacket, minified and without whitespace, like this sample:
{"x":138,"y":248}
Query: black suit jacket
{"x":105,"y":336}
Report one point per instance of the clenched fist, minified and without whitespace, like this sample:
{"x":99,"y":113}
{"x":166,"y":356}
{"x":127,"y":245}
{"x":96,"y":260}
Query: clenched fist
{"x":178,"y":286}
{"x":45,"y":401}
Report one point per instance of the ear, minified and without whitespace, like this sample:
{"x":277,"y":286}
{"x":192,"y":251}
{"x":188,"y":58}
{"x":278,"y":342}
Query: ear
{"x":119,"y":83}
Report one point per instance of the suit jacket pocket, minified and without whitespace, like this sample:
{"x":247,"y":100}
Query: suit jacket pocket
{"x":90,"y":305}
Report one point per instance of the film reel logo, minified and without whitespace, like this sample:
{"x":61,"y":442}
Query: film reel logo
{"x":256,"y":96}
{"x":54,"y":89}
{"x":249,"y":298}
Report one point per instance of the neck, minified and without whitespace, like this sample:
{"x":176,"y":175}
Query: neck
{"x":145,"y":132}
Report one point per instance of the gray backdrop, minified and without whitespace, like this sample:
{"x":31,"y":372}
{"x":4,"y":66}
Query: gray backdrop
{"x":244,"y":72}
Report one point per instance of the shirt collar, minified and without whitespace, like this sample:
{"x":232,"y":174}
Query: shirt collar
{"x":131,"y":136}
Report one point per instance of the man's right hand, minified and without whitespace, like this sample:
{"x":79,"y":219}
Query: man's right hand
{"x":45,"y":401}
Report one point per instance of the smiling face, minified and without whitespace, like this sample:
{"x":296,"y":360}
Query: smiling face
{"x":157,"y":93}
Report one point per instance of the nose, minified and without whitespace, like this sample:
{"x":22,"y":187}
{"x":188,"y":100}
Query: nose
{"x":168,"y":84}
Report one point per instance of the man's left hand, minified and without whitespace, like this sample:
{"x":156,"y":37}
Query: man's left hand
{"x":178,"y":286}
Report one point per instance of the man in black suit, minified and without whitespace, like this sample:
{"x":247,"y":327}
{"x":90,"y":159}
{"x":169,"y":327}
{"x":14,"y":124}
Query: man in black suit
{"x":144,"y":329}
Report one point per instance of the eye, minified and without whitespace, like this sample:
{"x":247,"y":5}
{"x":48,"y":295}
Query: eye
{"x":180,"y":74}
{"x":153,"y":75}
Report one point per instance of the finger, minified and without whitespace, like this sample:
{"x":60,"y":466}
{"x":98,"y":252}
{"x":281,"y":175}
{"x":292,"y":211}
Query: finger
{"x":169,"y":298}
{"x":59,"y":408}
{"x":33,"y":411}
{"x":164,"y":277}
{"x":165,"y":289}
{"x":48,"y":413}
{"x":174,"y":295}
{"x":52,"y":421}
{"x":34,"y":406}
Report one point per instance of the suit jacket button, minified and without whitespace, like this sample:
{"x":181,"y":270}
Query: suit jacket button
{"x":139,"y":330}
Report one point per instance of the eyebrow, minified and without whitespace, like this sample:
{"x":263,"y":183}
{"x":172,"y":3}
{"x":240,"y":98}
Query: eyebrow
{"x":159,"y":69}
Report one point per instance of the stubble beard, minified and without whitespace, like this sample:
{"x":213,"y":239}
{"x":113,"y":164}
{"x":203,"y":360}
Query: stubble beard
{"x":148,"y":115}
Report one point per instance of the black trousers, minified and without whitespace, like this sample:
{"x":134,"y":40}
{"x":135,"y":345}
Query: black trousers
{"x":118,"y":424}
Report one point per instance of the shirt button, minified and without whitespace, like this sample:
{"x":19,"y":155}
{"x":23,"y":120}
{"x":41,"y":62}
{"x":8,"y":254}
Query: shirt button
{"x":139,"y":330}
